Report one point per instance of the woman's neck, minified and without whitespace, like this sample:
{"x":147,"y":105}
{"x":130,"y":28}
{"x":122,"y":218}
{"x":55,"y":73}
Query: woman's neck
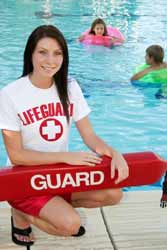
{"x":41,"y":82}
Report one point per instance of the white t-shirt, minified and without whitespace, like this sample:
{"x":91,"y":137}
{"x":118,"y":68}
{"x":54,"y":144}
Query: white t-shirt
{"x":39,"y":115}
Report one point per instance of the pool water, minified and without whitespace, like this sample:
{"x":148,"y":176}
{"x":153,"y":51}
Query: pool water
{"x":127,"y":117}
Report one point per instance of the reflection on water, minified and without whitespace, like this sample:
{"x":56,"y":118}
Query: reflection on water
{"x":46,"y":13}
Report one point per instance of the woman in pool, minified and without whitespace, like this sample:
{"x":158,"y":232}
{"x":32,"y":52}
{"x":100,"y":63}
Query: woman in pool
{"x":36,"y":112}
{"x":99,"y":28}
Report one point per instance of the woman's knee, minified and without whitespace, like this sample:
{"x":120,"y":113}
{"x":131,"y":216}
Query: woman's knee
{"x":113,"y":196}
{"x":60,"y":217}
{"x":66,"y":227}
{"x":71,"y":224}
{"x":109,"y":197}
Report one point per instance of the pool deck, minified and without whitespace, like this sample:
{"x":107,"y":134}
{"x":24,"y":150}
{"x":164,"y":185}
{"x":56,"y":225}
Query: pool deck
{"x":137,"y":223}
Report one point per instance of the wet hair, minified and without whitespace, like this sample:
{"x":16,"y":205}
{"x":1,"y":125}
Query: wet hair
{"x":61,"y":77}
{"x":95,"y":22}
{"x":156,"y":52}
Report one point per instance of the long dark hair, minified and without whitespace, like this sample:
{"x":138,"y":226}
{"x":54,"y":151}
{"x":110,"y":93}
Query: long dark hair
{"x":61,"y":77}
{"x":95,"y":22}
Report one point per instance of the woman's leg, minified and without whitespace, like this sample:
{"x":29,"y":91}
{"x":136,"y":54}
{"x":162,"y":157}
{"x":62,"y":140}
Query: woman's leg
{"x":57,"y":217}
{"x":97,"y":198}
{"x":62,"y":218}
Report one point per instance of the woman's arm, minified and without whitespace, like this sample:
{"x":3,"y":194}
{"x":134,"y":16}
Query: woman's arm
{"x":18,"y":155}
{"x":100,"y":147}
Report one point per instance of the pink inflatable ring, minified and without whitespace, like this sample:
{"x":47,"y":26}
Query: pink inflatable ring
{"x":103,"y":40}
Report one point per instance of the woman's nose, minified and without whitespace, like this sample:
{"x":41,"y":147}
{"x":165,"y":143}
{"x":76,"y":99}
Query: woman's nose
{"x":50,"y":58}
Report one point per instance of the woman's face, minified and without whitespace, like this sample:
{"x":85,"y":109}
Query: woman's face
{"x":99,"y":29}
{"x":47,"y":58}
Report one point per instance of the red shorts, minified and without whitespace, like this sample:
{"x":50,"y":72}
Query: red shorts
{"x":33,"y":205}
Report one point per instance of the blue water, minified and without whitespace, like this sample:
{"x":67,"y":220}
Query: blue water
{"x":127,"y":117}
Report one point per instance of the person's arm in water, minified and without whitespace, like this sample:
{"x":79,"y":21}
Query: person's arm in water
{"x":116,"y":39}
{"x":81,"y":38}
{"x":142,"y":73}
{"x":97,"y":145}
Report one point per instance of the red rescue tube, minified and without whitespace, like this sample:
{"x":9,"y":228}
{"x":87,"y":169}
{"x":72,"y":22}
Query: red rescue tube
{"x":23,"y":181}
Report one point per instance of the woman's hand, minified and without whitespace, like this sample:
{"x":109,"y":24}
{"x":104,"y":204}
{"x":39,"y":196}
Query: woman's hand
{"x":119,"y":163}
{"x":83,"y":158}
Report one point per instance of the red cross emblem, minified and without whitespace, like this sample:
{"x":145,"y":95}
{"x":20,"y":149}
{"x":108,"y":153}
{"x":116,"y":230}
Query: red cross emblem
{"x":51,"y":129}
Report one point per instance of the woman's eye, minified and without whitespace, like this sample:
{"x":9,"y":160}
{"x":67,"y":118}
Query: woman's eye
{"x":42,"y":52}
{"x":58,"y":53}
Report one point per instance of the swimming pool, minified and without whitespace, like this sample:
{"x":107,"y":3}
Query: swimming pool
{"x":125,"y":116}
